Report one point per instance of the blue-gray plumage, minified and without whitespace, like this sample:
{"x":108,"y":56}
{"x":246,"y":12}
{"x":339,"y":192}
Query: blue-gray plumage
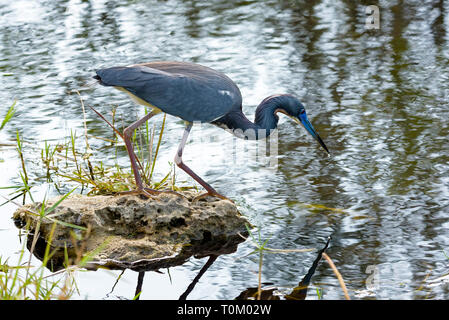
{"x":196,"y":93}
{"x":186,"y":90}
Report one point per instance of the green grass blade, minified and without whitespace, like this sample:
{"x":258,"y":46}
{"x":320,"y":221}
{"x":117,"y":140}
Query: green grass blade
{"x":66,"y":224}
{"x":53,"y":207}
{"x":157,"y":148}
{"x":9,"y":115}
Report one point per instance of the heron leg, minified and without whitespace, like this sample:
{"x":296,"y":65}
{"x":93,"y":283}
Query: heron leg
{"x":127,"y":136}
{"x":178,"y":160}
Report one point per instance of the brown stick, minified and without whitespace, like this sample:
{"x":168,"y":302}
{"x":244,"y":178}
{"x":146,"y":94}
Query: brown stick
{"x":102,"y":117}
{"x":126,"y":136}
{"x":337,"y":273}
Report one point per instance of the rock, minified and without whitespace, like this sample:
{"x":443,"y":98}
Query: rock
{"x":137,"y":233}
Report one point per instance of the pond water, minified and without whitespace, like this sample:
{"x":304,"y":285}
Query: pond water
{"x":376,"y":96}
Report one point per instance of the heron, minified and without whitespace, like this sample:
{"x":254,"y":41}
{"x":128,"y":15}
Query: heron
{"x":196,"y":93}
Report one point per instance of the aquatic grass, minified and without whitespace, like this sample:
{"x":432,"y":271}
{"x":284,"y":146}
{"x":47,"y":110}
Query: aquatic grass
{"x":26,"y":282}
{"x":77,"y":171}
{"x":46,"y":213}
{"x":16,"y":287}
{"x":88,"y":151}
{"x":9,"y":114}
{"x":261,"y":247}
{"x":23,"y":173}
{"x":153,"y":164}
{"x":19,"y":189}
{"x":113,"y":179}
{"x":137,"y":296}
{"x":95,"y":177}
{"x":34,"y":284}
{"x":75,"y":168}
{"x":150,"y":139}
{"x":319,"y":293}
{"x":47,"y":157}
{"x":43,"y":290}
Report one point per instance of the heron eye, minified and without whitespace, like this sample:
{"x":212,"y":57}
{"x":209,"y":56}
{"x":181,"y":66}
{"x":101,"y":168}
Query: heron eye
{"x":302,"y":111}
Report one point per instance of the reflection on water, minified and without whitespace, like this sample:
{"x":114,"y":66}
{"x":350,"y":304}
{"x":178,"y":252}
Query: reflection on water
{"x":377,"y":97}
{"x":272,"y":293}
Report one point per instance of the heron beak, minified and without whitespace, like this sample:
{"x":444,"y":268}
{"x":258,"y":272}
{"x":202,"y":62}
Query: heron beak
{"x":308,"y":126}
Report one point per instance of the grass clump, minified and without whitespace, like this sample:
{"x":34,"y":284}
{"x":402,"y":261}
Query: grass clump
{"x":103,"y":179}
{"x":69,"y":164}
{"x":23,"y":281}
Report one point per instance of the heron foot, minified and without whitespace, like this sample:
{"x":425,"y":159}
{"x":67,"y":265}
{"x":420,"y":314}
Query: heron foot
{"x":212,"y":194}
{"x":150,"y":193}
{"x":142,"y":192}
{"x":158,"y":192}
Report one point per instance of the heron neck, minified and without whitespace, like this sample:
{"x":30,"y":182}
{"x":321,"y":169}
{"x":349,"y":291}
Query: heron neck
{"x":264,"y":124}
{"x":266,"y":118}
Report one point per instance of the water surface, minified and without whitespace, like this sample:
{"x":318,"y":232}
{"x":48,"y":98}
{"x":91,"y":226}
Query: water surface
{"x":377,"y":97}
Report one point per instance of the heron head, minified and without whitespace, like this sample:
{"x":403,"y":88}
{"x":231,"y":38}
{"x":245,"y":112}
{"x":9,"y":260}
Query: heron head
{"x":295,"y":110}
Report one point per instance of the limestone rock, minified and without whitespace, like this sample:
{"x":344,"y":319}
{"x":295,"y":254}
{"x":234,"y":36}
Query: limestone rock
{"x":137,"y":233}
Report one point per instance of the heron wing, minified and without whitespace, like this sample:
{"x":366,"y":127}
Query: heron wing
{"x":203,"y":97}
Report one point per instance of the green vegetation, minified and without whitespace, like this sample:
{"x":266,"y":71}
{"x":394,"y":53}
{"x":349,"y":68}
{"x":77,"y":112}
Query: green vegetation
{"x":8,"y":115}
{"x":25,"y":282}
{"x":66,"y":166}
{"x":261,"y":248}
{"x":319,"y":293}
{"x":69,"y":164}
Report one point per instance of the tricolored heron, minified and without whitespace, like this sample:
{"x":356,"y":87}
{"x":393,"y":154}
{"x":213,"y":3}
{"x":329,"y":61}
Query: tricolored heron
{"x":196,"y":93}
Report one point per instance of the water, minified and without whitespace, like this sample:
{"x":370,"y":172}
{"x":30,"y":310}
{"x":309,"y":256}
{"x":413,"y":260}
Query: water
{"x":377,"y":97}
